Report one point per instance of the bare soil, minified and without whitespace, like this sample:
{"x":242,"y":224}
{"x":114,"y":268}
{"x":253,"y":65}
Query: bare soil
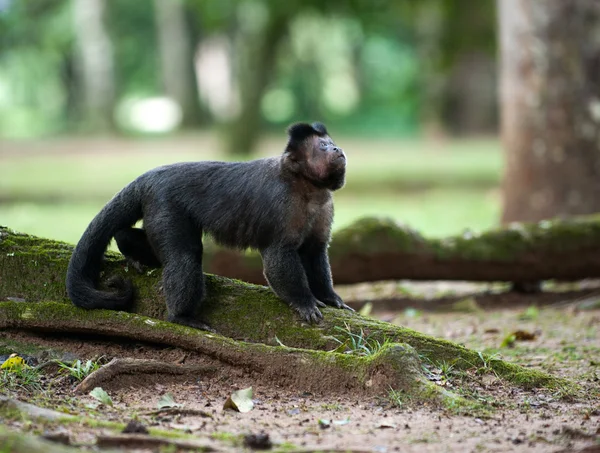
{"x":566,"y":342}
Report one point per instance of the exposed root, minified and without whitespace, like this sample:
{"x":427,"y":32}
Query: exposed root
{"x":137,"y":366}
{"x":395,"y":365}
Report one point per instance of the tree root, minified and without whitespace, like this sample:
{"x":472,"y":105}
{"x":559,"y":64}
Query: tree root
{"x":136,"y":366}
{"x":33,"y":269}
{"x":393,"y":366}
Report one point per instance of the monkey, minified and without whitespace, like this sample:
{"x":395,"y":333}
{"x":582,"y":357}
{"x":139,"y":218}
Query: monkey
{"x":281,"y":206}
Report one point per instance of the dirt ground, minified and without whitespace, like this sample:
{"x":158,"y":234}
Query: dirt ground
{"x":564,"y":340}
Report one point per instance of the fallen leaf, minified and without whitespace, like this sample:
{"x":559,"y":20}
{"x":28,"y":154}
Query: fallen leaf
{"x":100,"y":394}
{"x":240,"y":401}
{"x":387,"y":426}
{"x":342,"y":422}
{"x":167,"y":401}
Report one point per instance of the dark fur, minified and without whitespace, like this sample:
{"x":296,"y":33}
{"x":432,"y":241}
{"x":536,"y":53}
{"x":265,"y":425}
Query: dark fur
{"x":281,"y":206}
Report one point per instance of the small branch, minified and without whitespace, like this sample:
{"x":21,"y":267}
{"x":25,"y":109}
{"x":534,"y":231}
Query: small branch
{"x":32,"y":411}
{"x":143,"y":441}
{"x":178,"y":411}
{"x":137,"y":366}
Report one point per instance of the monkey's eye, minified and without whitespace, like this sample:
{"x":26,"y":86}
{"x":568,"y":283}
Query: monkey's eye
{"x":323,"y":145}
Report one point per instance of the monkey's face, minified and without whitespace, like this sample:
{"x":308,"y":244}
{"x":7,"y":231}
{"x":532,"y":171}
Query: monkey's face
{"x":325,"y":162}
{"x":311,"y":154}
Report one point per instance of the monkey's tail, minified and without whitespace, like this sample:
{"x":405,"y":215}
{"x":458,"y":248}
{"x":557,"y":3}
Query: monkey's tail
{"x":85,"y":265}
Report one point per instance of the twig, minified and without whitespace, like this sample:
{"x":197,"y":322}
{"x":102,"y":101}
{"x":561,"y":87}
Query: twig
{"x":143,"y":441}
{"x":178,"y":411}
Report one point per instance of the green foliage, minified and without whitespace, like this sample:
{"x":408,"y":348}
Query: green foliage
{"x":331,"y":59}
{"x":357,"y":343}
{"x":79,"y":370}
{"x":530,"y":314}
{"x":397,"y":398}
{"x":23,"y":378}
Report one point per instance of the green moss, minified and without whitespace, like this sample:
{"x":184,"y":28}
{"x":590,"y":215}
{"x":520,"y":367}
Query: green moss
{"x":35,"y":270}
{"x":375,"y":235}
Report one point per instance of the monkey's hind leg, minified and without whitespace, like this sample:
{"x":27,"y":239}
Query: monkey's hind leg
{"x":179,"y":245}
{"x":134,"y":244}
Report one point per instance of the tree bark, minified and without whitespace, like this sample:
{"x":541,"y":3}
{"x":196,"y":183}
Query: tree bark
{"x":550,"y":101}
{"x":95,"y":63}
{"x":177,"y":58}
{"x":374,"y":250}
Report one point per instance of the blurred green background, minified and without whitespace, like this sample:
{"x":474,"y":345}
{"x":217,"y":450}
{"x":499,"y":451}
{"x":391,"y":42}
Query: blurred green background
{"x":94,"y":92}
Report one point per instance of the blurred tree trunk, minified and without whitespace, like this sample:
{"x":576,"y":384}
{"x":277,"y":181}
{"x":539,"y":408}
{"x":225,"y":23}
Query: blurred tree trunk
{"x":471,"y":104}
{"x":429,"y":20}
{"x":177,"y":55}
{"x":94,"y":53}
{"x":550,"y":100}
{"x":258,"y":57}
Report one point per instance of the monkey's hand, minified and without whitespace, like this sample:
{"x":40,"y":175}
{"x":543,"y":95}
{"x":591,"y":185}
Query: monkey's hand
{"x":335,"y":301}
{"x":310,"y":313}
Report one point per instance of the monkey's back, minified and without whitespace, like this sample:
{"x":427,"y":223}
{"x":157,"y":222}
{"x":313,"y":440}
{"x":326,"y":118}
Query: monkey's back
{"x":240,"y":204}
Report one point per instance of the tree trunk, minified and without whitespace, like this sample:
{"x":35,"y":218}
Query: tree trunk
{"x":95,"y":63}
{"x":550,"y":101}
{"x":374,"y":250}
{"x":177,"y":55}
{"x":258,"y":51}
{"x":429,"y":30}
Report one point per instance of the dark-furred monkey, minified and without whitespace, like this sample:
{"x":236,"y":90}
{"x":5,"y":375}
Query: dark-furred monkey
{"x":282,"y":206}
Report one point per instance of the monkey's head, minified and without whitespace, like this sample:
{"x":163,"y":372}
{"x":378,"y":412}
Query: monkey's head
{"x":312,"y":155}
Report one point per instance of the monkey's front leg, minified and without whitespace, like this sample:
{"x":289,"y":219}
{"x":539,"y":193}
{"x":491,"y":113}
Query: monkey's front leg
{"x":315,"y":261}
{"x":285,"y":275}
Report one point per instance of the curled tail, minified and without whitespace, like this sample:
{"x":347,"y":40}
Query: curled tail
{"x":85,"y":265}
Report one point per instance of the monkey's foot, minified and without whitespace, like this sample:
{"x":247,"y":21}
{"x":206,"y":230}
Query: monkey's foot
{"x":191,"y":323}
{"x":335,"y":301}
{"x":310,"y":314}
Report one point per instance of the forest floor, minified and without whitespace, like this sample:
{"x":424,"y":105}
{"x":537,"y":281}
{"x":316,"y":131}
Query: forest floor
{"x":554,"y":332}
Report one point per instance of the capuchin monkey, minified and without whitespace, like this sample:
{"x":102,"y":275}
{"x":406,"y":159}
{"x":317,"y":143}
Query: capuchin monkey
{"x":281,"y":206}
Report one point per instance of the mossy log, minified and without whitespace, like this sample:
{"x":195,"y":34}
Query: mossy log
{"x":252,"y":320}
{"x":379,"y":249}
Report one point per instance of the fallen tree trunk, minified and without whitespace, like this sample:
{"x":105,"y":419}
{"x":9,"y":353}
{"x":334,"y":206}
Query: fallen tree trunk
{"x":32,"y":273}
{"x":376,"y":249}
